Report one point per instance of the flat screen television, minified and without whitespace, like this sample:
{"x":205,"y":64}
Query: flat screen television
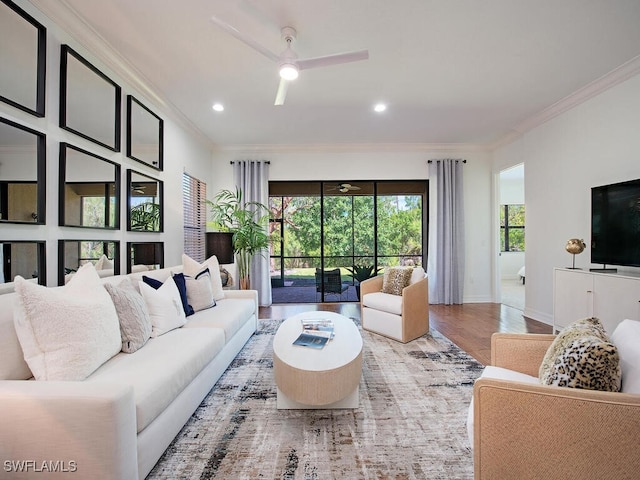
{"x":615,"y":224}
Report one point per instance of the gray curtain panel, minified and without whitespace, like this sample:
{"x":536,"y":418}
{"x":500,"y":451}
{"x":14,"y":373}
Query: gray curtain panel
{"x":446,"y":239}
{"x":252,"y":178}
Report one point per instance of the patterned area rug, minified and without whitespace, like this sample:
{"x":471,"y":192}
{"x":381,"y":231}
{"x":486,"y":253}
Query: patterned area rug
{"x":411,"y":423}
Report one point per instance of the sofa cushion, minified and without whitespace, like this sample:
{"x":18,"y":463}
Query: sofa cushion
{"x":385,"y":302}
{"x":12,"y":364}
{"x":497,"y":373}
{"x":104,"y":263}
{"x":165,"y":307}
{"x":626,"y":337}
{"x":395,"y":279}
{"x":68,"y":332}
{"x":178,"y":279}
{"x":135,"y":323}
{"x":192,"y":268}
{"x":582,"y":356}
{"x":200,"y":291}
{"x":230,"y":314}
{"x":162,"y":369}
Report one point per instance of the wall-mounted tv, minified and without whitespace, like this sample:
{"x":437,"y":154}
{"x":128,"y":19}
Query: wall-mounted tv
{"x":615,"y":224}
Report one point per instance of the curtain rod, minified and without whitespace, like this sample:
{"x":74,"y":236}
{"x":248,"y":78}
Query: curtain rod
{"x":431,"y":161}
{"x":264,"y":161}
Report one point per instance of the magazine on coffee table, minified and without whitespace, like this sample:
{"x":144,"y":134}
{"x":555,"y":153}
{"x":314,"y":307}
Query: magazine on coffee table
{"x":315,"y":333}
{"x":321,"y":327}
{"x":310,"y":340}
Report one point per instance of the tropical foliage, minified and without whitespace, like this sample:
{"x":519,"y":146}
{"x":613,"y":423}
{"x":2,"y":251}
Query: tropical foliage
{"x":249,"y":223}
{"x":348,"y":225}
{"x":145,"y":217}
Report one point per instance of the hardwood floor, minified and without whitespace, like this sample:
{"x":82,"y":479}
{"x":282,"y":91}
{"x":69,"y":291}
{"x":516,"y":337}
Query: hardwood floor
{"x":469,"y":326}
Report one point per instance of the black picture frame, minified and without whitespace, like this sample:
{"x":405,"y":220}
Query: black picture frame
{"x":41,"y":261}
{"x":62,"y":183}
{"x":154,"y":161}
{"x":62,"y":271}
{"x":66,"y":96}
{"x":134,"y":181}
{"x":41,"y":65}
{"x":41,"y":177}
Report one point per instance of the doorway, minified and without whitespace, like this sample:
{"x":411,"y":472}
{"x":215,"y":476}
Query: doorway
{"x":511,"y":259}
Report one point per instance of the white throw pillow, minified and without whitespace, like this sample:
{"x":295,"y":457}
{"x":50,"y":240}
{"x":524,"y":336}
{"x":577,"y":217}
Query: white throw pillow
{"x":192,"y":268}
{"x":103,"y":263}
{"x":135,"y":323}
{"x":626,"y":337}
{"x":200,"y":291}
{"x":66,"y":333}
{"x":164,"y":306}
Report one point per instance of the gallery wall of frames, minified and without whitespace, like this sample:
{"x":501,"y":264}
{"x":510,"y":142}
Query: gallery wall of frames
{"x":107,"y":144}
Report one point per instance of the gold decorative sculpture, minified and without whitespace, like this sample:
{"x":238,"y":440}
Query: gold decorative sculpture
{"x":575,"y":246}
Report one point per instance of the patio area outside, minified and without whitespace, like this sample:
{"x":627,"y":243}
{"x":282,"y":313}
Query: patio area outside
{"x":300,"y":286}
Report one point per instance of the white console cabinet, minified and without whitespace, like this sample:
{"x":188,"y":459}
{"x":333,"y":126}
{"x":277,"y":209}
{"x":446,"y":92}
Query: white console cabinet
{"x":611,"y":297}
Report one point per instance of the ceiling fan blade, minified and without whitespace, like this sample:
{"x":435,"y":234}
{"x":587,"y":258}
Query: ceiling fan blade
{"x":333,"y":59}
{"x":282,"y":92}
{"x":245,"y":39}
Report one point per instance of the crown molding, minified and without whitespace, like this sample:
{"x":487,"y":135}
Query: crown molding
{"x":353,"y":148}
{"x":64,"y":16}
{"x":616,"y":76}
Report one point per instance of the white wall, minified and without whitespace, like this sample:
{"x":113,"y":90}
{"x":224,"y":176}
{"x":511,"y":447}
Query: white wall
{"x":387,"y":164}
{"x":595,"y":143}
{"x":185,"y":149}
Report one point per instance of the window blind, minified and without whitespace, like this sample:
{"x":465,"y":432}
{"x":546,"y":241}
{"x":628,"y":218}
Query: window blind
{"x":194,"y":193}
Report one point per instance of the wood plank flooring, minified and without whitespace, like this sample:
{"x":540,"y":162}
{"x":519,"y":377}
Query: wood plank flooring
{"x":469,"y":326}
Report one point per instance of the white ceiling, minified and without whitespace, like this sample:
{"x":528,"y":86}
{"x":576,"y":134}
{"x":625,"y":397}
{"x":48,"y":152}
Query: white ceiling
{"x":451,"y":71}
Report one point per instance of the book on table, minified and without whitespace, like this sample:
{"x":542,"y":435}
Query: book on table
{"x":315,"y":333}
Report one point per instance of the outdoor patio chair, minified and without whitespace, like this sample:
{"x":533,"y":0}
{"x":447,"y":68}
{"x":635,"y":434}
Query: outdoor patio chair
{"x":332,"y":282}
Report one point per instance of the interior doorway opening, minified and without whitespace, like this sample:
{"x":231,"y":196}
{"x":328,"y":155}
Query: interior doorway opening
{"x":511,"y":259}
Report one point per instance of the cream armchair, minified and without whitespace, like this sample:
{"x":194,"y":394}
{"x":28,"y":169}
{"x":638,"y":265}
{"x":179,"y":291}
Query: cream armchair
{"x":524,"y":430}
{"x":401,"y":317}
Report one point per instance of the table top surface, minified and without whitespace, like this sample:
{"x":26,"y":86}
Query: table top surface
{"x":341,"y":350}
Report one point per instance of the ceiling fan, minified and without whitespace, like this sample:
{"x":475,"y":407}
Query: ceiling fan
{"x":288,"y":62}
{"x":138,"y":188}
{"x":344,"y":187}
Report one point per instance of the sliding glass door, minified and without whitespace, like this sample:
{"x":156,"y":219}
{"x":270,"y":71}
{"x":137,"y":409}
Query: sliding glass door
{"x":330,"y":229}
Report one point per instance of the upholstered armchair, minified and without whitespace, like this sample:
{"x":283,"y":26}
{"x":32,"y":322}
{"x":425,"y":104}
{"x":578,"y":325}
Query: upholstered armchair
{"x":522,"y":429}
{"x":401,"y":317}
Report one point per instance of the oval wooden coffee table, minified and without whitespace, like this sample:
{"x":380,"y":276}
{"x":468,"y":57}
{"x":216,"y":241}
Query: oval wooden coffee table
{"x":318,"y":378}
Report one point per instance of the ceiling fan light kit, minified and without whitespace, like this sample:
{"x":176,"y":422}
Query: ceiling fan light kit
{"x":289,"y":65}
{"x":288,"y":71}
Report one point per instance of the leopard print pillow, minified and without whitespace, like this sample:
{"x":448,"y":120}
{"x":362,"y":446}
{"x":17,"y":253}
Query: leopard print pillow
{"x":395,"y":279}
{"x":578,"y":329}
{"x":582,"y":356}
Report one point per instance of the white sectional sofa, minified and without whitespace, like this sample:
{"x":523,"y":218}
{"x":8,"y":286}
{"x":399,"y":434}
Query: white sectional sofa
{"x":117,"y":422}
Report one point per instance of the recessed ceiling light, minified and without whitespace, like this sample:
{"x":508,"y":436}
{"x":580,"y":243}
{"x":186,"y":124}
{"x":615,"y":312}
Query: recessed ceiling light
{"x":218,"y":107}
{"x":380,"y":107}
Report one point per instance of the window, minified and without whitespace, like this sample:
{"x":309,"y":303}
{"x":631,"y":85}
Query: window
{"x":329,"y":225}
{"x":512,"y":228}
{"x":194,"y":193}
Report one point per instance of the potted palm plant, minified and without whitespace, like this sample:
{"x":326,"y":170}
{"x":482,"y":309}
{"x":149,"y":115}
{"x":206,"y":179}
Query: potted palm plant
{"x":360,"y":273}
{"x":248,"y":221}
